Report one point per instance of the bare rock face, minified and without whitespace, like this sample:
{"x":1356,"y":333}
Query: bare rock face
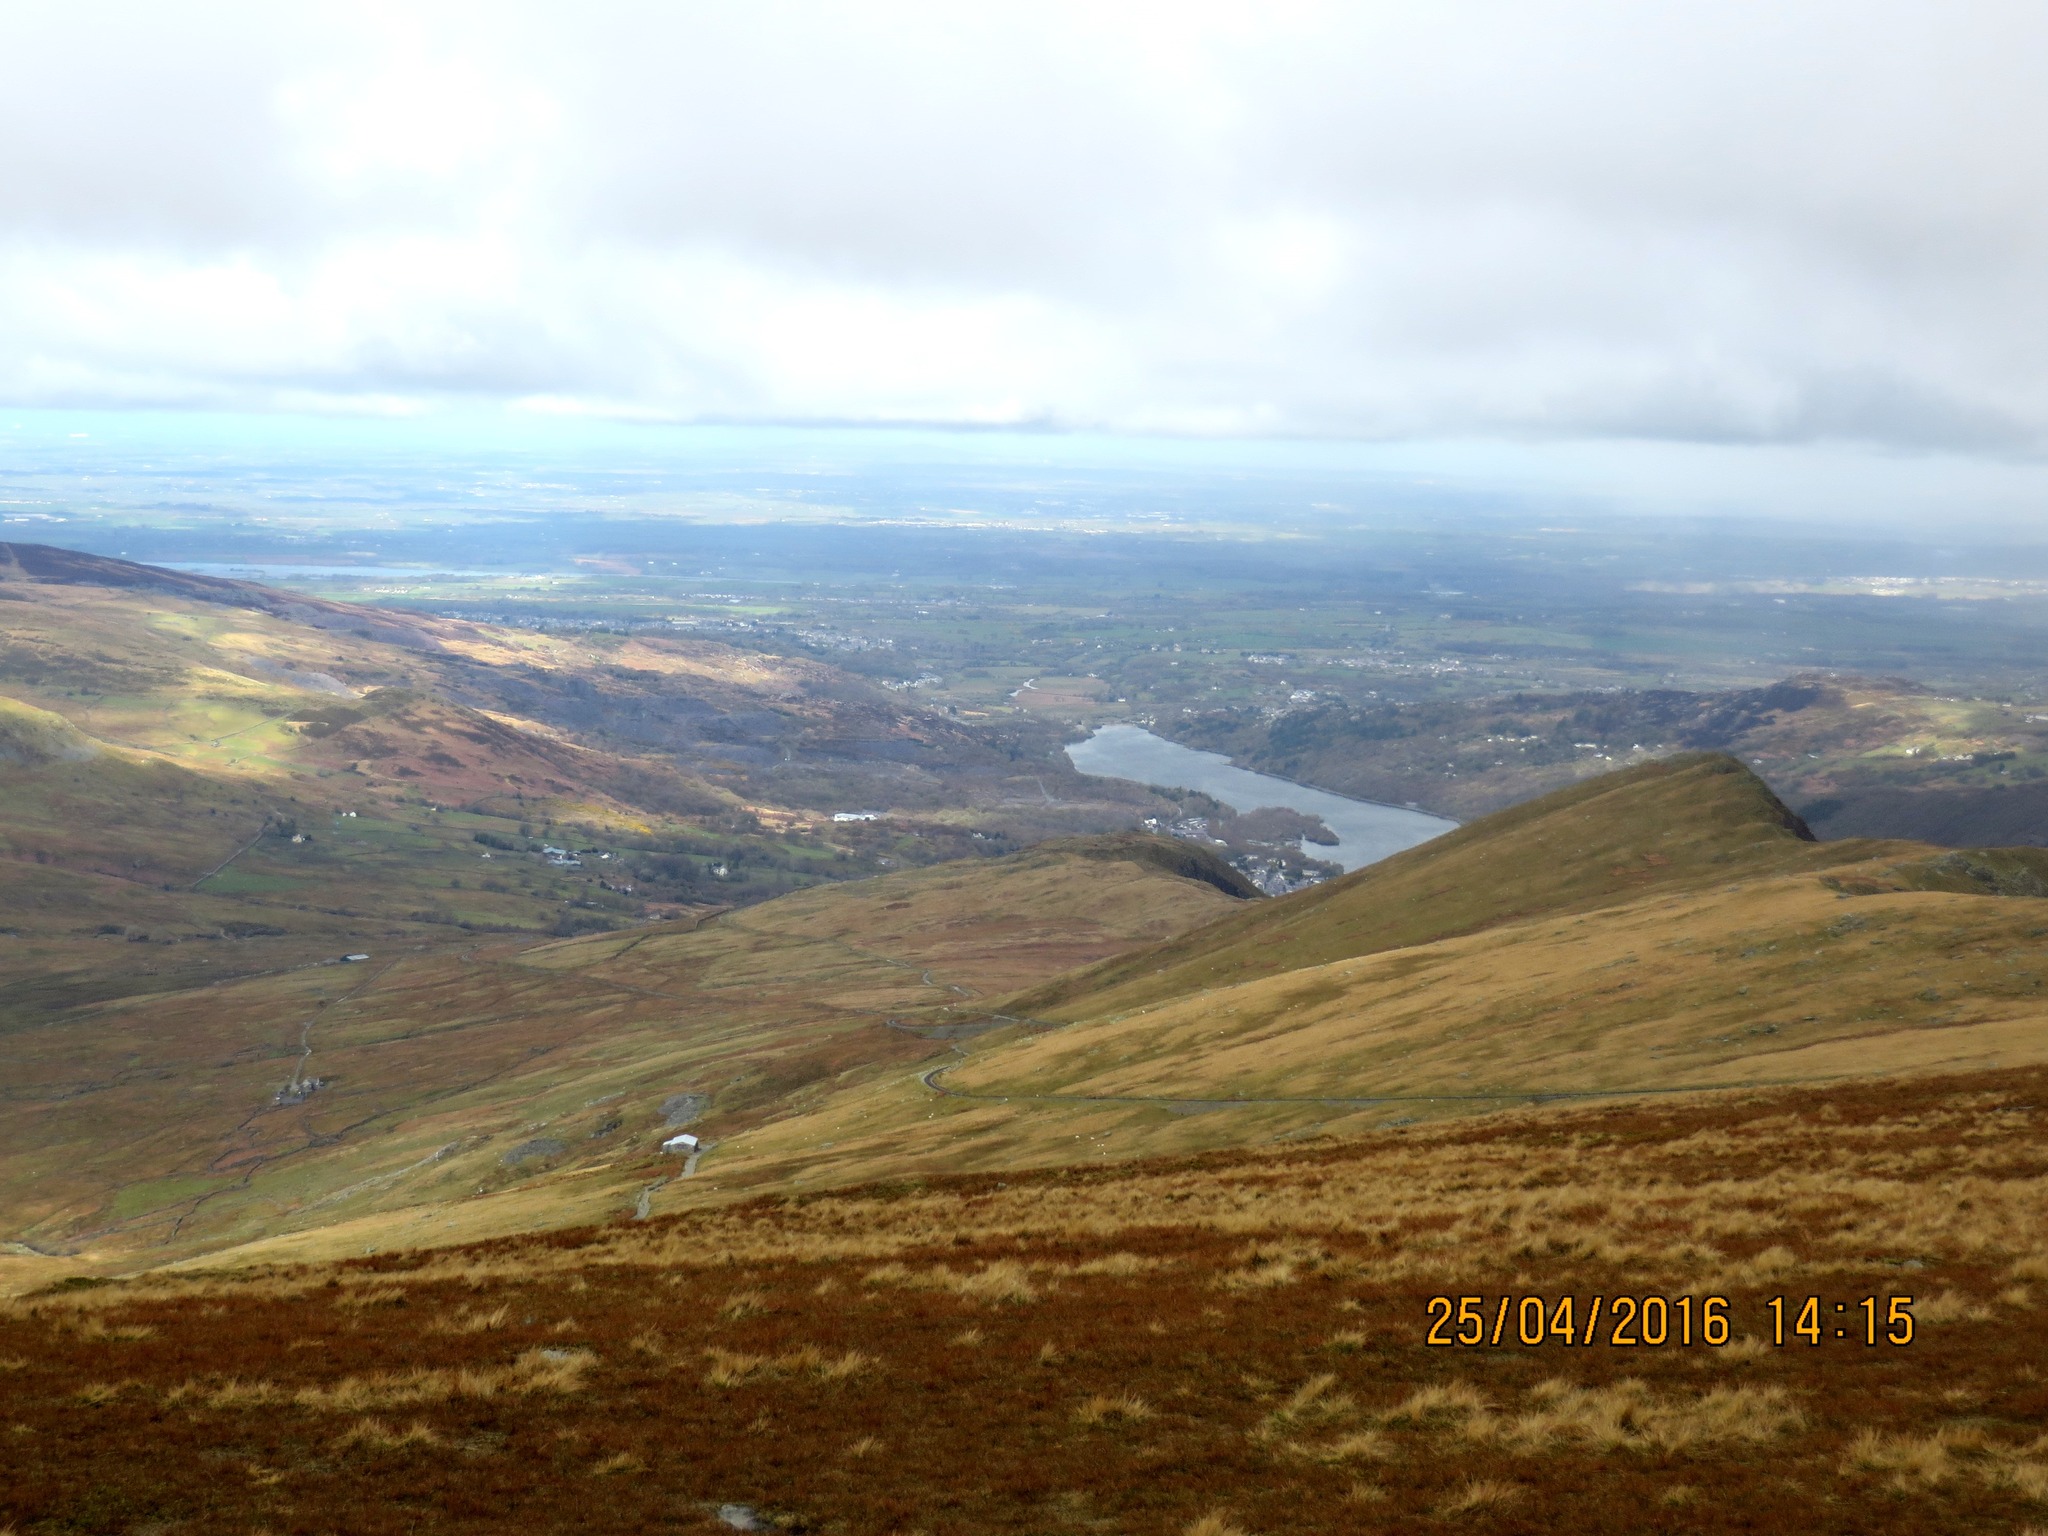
{"x":678,"y":1110}
{"x":529,"y":1151}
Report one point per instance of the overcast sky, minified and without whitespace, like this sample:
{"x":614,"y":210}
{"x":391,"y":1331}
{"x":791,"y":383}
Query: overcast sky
{"x":1785,"y":222}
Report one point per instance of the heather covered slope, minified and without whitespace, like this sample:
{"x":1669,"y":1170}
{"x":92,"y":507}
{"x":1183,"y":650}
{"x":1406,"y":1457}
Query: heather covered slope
{"x":1237,"y":1342}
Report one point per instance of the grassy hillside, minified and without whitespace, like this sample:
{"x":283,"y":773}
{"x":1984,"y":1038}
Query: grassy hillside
{"x":1688,"y":937}
{"x":1780,"y":979}
{"x":157,"y":1125}
{"x":1188,"y":1347}
{"x":1663,"y":928}
{"x":1672,"y":824}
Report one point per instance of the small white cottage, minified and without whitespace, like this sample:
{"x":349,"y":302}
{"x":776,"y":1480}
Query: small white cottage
{"x":685,"y":1144}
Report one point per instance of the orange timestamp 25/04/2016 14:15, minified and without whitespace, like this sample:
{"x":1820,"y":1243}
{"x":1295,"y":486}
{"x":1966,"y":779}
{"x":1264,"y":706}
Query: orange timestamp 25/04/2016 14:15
{"x":1652,"y":1322}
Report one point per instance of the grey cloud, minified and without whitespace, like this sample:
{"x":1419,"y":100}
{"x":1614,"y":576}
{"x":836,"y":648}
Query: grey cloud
{"x":1743,"y":222}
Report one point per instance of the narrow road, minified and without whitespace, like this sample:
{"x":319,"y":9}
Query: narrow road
{"x":306,"y":1029}
{"x":224,"y":863}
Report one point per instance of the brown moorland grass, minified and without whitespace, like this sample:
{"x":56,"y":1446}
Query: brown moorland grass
{"x":1127,"y":1374}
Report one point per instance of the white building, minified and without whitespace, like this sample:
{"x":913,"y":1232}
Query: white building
{"x":683,"y":1144}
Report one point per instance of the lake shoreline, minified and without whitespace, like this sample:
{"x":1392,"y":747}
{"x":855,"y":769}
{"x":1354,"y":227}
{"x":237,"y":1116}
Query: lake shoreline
{"x":1367,"y":830}
{"x":1321,"y":789}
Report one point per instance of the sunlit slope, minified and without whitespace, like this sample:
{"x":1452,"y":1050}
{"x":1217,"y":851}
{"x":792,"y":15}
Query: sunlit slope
{"x":123,"y":871}
{"x":1663,"y":928}
{"x":85,"y":805}
{"x":151,"y":1126}
{"x":415,"y":706}
{"x":1675,"y":824}
{"x":270,"y":689}
{"x":203,"y":779}
{"x":1778,"y":979}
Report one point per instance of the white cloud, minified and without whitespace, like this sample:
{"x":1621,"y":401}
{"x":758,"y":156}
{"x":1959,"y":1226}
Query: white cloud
{"x":1745,"y":222}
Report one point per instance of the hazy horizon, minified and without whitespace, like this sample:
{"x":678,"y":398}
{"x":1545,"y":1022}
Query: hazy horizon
{"x":1782,"y":262}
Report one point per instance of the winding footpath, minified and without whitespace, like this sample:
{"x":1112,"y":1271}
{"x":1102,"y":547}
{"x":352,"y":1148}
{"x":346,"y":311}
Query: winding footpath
{"x":930,"y":1079}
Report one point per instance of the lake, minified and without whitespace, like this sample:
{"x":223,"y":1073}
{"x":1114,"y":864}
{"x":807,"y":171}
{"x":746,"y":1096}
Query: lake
{"x":1366,"y":832}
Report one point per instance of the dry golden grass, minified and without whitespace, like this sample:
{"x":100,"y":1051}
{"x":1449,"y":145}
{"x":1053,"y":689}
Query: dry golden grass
{"x":1555,"y":1415}
{"x":120,"y":1333}
{"x":376,"y":1435}
{"x":1365,"y":1445}
{"x":536,"y":1370}
{"x":1949,"y":1306}
{"x":1122,"y":1265}
{"x":743,"y":1304}
{"x":996,"y":1282}
{"x":475,"y":1320}
{"x":1481,"y":1494}
{"x":358,"y":1298}
{"x":1315,"y":1403}
{"x":1909,"y":1462}
{"x":1123,"y":1408}
{"x":730,"y":1368}
{"x":1216,"y":1524}
{"x":1629,"y":1415}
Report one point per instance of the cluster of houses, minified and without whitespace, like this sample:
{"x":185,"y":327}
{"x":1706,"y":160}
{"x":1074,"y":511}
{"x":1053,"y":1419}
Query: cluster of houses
{"x":567,"y":858}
